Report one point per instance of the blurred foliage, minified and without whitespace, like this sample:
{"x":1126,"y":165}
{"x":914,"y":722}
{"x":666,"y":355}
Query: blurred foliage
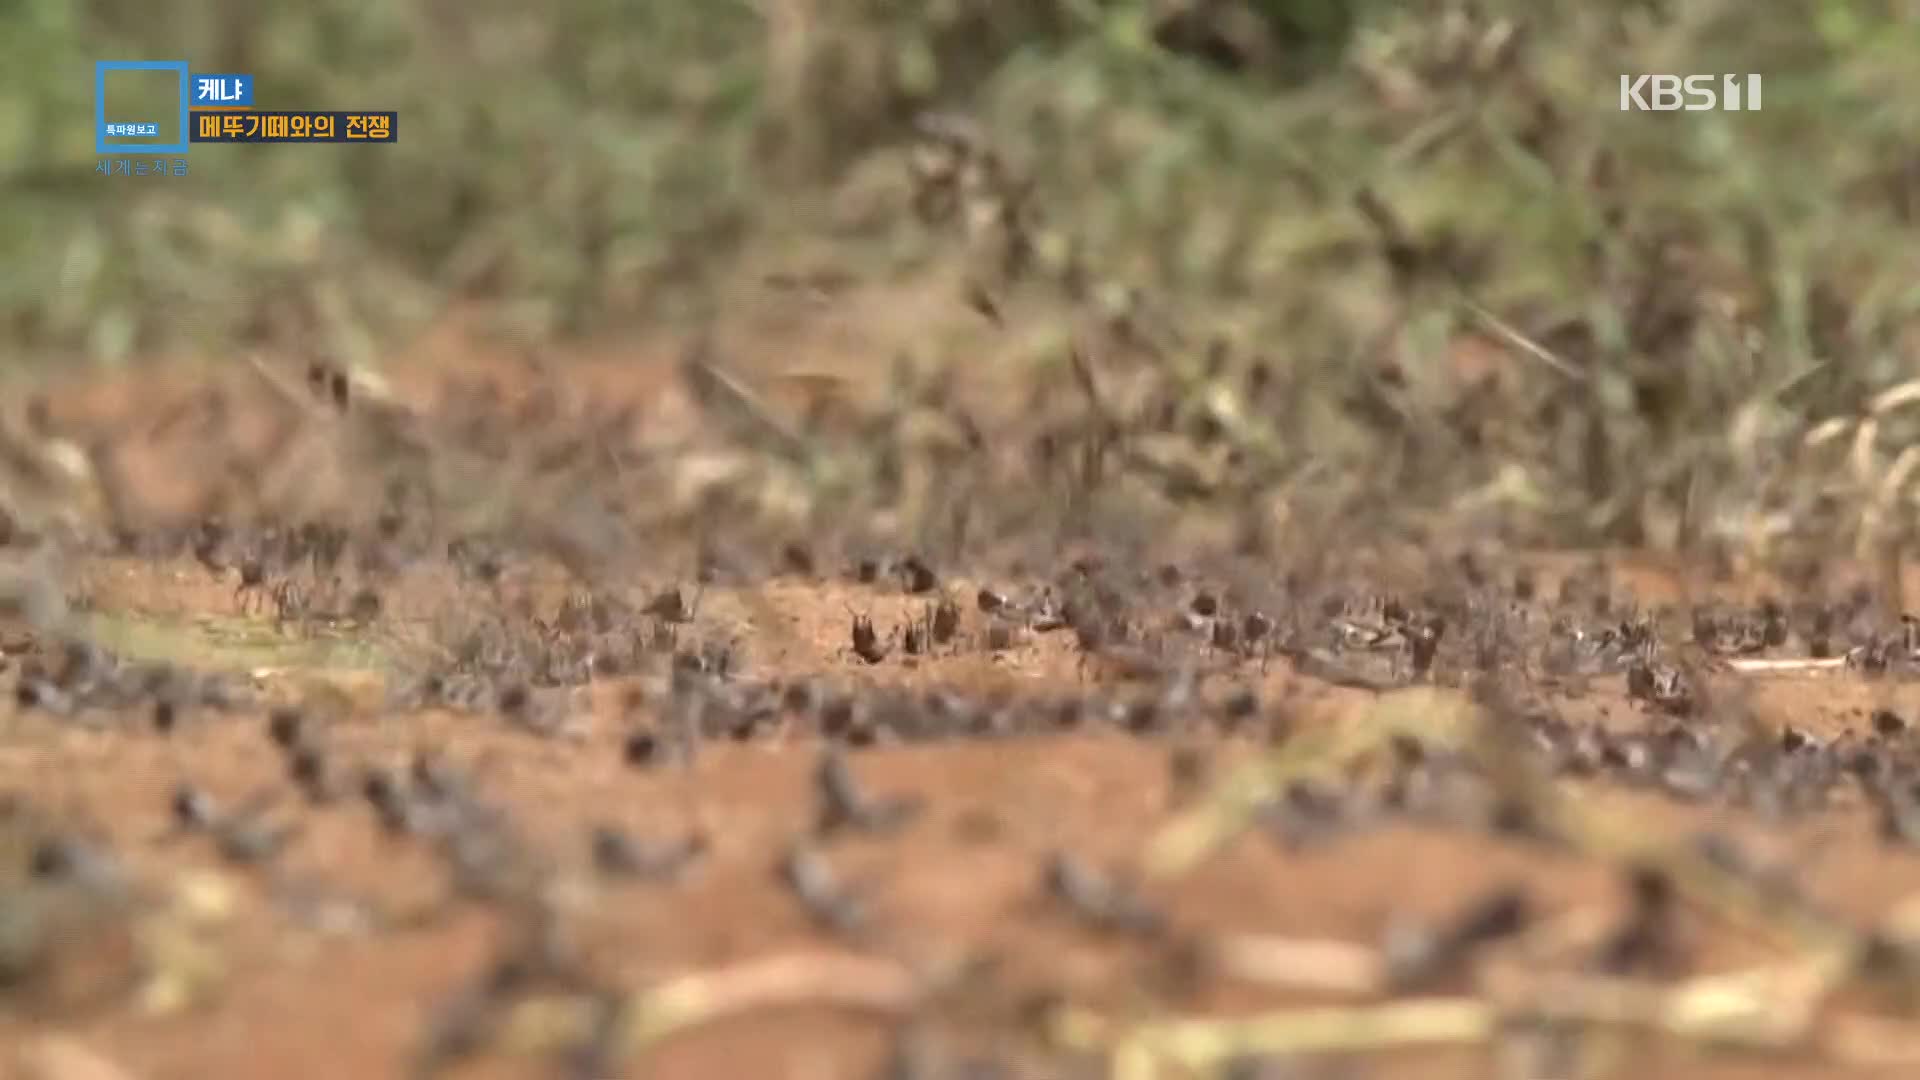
{"x":573,"y":164}
{"x":1674,"y":298}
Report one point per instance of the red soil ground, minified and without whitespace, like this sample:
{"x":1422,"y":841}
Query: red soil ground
{"x":293,"y":1002}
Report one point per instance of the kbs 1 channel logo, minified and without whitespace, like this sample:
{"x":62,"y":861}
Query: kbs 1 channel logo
{"x":1689,"y":93}
{"x":160,"y":109}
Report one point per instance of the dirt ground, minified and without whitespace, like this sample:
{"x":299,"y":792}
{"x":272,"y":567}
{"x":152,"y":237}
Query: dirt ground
{"x":342,"y":953}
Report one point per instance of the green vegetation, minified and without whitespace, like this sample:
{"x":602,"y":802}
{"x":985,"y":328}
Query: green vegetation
{"x":235,"y":644}
{"x":1674,"y":300}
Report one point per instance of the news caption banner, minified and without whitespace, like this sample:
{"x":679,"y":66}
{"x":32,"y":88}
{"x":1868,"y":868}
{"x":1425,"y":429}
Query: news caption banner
{"x":208,"y":108}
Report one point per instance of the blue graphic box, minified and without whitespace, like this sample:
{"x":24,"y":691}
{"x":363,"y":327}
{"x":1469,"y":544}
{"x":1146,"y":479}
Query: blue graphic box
{"x":100,"y":70}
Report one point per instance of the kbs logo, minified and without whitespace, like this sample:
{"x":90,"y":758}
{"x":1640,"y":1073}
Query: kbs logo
{"x":1691,"y":93}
